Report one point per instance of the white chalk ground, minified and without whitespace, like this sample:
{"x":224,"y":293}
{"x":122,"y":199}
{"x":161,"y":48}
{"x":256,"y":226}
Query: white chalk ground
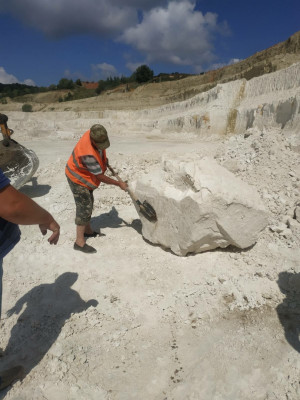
{"x":165,"y":327}
{"x":137,"y":322}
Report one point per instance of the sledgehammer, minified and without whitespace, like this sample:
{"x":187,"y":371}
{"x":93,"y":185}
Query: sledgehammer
{"x":145,"y":208}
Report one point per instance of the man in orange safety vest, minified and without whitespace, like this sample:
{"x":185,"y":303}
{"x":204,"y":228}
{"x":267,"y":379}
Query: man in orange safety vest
{"x":85,"y":170}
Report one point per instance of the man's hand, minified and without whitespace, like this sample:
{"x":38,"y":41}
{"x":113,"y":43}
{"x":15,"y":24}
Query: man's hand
{"x":123,"y":185}
{"x":54,"y":227}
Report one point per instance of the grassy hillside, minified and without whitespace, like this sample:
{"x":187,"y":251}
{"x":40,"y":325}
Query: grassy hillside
{"x":163,"y":90}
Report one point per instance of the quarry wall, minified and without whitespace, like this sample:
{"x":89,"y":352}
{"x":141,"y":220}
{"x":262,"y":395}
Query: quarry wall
{"x":268,"y":101}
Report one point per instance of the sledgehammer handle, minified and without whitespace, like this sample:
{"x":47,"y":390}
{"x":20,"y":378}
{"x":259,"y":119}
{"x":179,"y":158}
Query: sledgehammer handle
{"x":145,"y":208}
{"x":114,"y":173}
{"x":119,"y":179}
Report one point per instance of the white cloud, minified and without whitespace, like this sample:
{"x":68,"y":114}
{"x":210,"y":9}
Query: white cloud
{"x":29,"y":82}
{"x":234,"y":61}
{"x":58,"y":18}
{"x":165,"y":31}
{"x":140,"y":4}
{"x":9,"y":78}
{"x":132,"y":66}
{"x":103,"y":71}
{"x":177,"y":34}
{"x":221,"y":65}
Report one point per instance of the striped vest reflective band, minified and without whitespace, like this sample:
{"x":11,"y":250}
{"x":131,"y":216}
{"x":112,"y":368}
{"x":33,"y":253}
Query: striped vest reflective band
{"x":76,"y":171}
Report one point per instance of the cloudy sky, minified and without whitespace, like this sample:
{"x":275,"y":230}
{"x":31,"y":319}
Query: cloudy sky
{"x":43,"y":41}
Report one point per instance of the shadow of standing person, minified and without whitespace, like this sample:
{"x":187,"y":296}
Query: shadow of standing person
{"x":113,"y":220}
{"x":49,"y":306}
{"x":289,"y":310}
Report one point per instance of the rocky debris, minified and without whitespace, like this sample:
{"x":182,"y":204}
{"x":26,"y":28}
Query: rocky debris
{"x":265,"y":159}
{"x":297,"y":212}
{"x":294,"y":226}
{"x":200,"y":206}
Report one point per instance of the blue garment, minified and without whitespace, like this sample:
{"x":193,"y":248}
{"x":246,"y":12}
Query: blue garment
{"x":9,"y":233}
{"x":1,"y":274}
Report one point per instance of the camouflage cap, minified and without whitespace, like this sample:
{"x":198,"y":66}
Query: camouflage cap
{"x":99,"y":135}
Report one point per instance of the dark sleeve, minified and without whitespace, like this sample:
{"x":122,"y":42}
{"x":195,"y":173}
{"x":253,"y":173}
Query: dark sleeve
{"x":4,"y":181}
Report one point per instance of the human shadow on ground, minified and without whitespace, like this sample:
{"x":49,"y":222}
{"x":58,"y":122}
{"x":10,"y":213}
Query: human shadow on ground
{"x":35,"y":190}
{"x":48,"y":307}
{"x":113,"y":220}
{"x":289,"y":310}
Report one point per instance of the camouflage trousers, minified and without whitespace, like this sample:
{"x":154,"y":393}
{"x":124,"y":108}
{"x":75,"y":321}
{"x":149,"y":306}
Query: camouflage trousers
{"x":84,"y":200}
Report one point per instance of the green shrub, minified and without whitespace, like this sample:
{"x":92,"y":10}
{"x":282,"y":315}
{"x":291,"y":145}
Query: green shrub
{"x":27,"y":107}
{"x":68,"y":97}
{"x":65,"y":83}
{"x":143,"y":74}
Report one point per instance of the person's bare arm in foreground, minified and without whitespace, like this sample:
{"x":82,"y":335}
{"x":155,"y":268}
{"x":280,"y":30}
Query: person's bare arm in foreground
{"x":20,"y":209}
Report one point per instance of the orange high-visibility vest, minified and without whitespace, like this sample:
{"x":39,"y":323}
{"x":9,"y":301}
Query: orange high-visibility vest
{"x":77,"y":171}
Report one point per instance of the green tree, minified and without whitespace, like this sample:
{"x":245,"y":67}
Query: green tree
{"x":78,"y":82}
{"x":65,"y":83}
{"x":101,"y":87}
{"x":143,"y":74}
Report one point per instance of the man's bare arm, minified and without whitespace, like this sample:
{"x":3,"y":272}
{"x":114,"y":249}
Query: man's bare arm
{"x":110,"y":181}
{"x":20,"y":209}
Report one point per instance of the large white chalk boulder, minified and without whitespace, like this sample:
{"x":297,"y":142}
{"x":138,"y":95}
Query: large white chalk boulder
{"x":200,"y":206}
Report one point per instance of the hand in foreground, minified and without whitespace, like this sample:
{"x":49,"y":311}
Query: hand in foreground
{"x":54,"y":227}
{"x":123,"y":185}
